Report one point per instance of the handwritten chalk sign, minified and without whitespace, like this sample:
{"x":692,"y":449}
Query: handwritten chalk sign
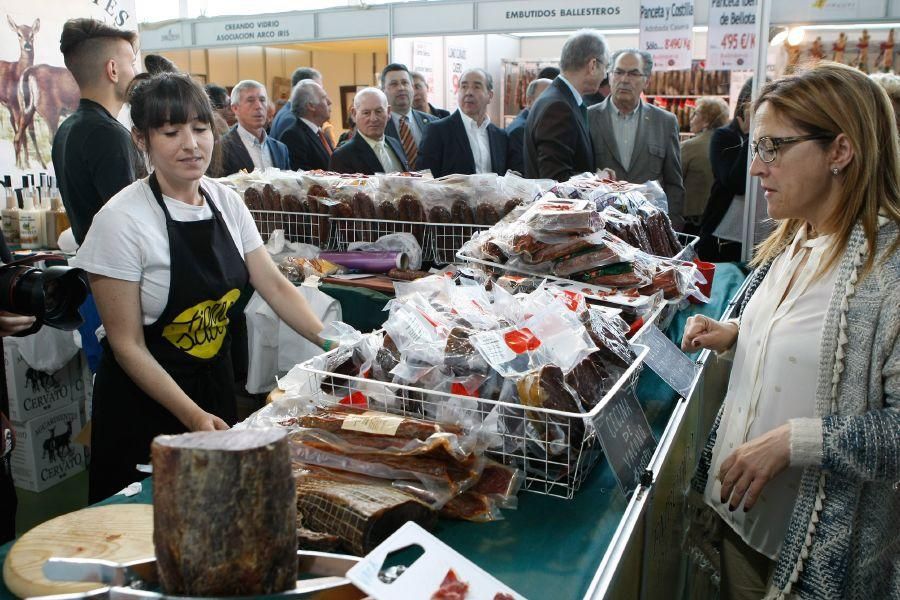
{"x":627,"y":440}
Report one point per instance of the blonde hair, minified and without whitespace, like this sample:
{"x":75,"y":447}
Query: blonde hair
{"x":831,"y":98}
{"x":713,"y":110}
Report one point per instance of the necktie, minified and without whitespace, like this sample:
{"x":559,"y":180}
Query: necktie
{"x":383,"y":157}
{"x":325,"y":143}
{"x":583,"y":109}
{"x":408,"y":142}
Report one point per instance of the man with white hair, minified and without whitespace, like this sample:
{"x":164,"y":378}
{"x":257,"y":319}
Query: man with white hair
{"x":370,"y":151}
{"x":557,"y":140}
{"x":309,"y":147}
{"x":246,"y":145}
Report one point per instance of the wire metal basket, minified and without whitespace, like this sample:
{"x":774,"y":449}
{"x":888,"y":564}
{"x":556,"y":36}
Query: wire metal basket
{"x":306,"y":228}
{"x":448,"y":238}
{"x":554,"y":467}
{"x":440,"y":241}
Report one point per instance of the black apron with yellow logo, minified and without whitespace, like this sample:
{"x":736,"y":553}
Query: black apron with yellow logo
{"x":190,"y":340}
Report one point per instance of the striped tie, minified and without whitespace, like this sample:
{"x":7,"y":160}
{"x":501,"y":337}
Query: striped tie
{"x":325,"y":142}
{"x":408,"y":142}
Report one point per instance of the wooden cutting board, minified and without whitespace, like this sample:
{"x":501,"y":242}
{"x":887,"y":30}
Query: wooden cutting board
{"x":117,"y":532}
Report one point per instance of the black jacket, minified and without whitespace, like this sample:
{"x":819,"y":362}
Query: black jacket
{"x":440,"y":113}
{"x":235,"y":156}
{"x":515,"y":132}
{"x":305,"y":147}
{"x":728,"y":150}
{"x":356,"y":156}
{"x":557,"y":140}
{"x":445,"y":148}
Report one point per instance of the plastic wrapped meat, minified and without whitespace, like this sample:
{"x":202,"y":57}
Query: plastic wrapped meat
{"x":361,"y":516}
{"x":546,"y":388}
{"x":590,"y":380}
{"x":585,"y":260}
{"x":461,"y":356}
{"x":333,"y":418}
{"x":607,"y":333}
{"x":562,"y":217}
{"x":624,"y":274}
{"x":534,"y":252}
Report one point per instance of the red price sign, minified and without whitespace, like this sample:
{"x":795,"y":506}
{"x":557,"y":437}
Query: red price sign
{"x":733,"y":41}
{"x":678,"y":43}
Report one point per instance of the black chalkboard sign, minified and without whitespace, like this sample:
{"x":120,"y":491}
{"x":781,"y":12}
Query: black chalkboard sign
{"x":627,"y":440}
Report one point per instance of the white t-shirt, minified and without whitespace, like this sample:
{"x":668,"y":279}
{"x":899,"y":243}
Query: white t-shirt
{"x":128,"y":240}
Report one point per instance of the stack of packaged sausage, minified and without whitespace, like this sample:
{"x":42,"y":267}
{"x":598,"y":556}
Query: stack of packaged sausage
{"x":610,"y":236}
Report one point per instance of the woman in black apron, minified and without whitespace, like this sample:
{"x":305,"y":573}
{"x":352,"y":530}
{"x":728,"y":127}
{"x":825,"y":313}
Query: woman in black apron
{"x":178,"y":377}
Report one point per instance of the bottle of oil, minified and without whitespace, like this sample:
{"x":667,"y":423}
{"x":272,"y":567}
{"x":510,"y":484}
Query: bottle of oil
{"x":29,"y":221}
{"x":9,"y":216}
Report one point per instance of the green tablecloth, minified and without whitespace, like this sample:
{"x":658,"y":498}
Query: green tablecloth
{"x":550,"y":547}
{"x":361,"y":308}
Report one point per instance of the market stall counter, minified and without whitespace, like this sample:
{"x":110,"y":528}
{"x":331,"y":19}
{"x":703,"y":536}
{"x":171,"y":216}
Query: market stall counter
{"x":552,"y":547}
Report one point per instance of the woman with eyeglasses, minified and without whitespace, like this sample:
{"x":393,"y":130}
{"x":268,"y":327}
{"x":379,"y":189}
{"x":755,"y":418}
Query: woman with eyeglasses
{"x":802,"y":464}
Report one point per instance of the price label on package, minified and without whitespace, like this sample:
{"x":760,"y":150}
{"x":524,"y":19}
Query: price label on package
{"x":731,"y":41}
{"x":372,"y":422}
{"x":667,"y":33}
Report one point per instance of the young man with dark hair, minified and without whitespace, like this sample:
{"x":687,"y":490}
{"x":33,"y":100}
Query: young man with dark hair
{"x":406,"y":123}
{"x":93,"y":154}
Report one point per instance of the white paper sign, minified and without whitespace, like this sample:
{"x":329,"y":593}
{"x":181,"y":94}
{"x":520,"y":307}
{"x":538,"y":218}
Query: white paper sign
{"x":667,"y":33}
{"x":732,"y":34}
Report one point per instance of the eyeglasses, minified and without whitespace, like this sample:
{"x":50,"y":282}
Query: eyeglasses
{"x":767,"y":147}
{"x":634,"y":73}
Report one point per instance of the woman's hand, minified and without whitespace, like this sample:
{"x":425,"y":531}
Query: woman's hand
{"x":11,"y":323}
{"x":702,"y":332}
{"x":201,"y":420}
{"x":748,"y":469}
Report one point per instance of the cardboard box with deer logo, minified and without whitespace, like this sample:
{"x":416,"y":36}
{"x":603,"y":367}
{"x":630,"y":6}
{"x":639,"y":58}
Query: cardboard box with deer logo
{"x":45,"y":451}
{"x":33,"y":393}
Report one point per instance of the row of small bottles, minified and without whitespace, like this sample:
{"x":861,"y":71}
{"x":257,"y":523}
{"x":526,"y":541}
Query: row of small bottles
{"x":34,"y":216}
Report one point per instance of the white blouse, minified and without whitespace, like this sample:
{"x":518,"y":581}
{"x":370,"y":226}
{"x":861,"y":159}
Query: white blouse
{"x":773,"y":379}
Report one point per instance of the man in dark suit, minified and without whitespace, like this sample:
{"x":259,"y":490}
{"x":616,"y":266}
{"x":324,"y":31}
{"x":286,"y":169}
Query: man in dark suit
{"x":370,"y":151}
{"x":557,"y":140}
{"x":406,"y":123}
{"x":308,"y":145}
{"x":466,"y":142}
{"x":284,"y":118}
{"x":638,"y":141}
{"x":246,"y":145}
{"x":515,"y":131}
{"x":420,"y":98}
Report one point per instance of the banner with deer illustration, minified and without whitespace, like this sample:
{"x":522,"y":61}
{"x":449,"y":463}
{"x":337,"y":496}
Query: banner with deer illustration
{"x":36,"y":90}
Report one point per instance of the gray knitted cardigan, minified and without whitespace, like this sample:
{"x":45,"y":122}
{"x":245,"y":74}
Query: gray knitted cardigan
{"x":843,"y":540}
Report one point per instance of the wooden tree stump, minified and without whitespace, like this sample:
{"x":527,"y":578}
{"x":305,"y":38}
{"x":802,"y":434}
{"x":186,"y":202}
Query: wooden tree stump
{"x":224,"y":513}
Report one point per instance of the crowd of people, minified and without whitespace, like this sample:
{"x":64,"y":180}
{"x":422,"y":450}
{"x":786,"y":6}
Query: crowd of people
{"x":806,"y":443}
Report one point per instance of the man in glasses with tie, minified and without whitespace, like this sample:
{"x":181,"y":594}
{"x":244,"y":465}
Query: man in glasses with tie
{"x":406,"y":123}
{"x":636,"y":140}
{"x":310,"y":148}
{"x":246,"y":145}
{"x":370,"y":151}
{"x":557,"y":141}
